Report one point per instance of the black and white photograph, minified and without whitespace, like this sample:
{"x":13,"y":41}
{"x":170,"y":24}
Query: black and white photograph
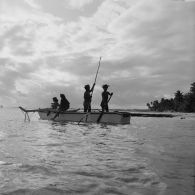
{"x":97,"y":97}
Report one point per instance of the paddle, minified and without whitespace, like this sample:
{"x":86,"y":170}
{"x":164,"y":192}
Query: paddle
{"x":100,"y":116}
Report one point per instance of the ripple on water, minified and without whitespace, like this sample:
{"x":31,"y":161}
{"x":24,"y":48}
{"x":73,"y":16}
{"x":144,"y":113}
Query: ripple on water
{"x":41,"y":191}
{"x":49,"y":171}
{"x":93,"y":174}
{"x":45,"y":158}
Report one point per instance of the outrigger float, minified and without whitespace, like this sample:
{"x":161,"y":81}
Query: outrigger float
{"x":113,"y":117}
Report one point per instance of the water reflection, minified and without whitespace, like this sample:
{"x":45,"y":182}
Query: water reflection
{"x":45,"y":157}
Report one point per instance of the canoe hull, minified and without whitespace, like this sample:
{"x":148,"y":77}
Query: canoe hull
{"x":93,"y":117}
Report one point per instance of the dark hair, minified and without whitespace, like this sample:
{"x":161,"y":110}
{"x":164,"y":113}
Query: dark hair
{"x":62,"y":96}
{"x":55,"y":99}
{"x":105,"y":86}
{"x":87,"y":86}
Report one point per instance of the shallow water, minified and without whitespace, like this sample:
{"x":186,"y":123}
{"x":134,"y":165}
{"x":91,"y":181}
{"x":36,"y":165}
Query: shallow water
{"x":151,"y":156}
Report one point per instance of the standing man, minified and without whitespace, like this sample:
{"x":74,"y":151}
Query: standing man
{"x":87,"y":98}
{"x":105,"y":98}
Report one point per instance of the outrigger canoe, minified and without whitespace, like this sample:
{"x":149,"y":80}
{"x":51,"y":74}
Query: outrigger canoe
{"x":113,"y":117}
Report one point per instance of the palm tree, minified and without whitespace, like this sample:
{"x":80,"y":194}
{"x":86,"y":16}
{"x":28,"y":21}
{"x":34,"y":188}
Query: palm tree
{"x":189,"y":99}
{"x":178,"y":100}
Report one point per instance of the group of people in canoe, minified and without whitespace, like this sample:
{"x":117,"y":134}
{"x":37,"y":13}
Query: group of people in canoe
{"x":65,"y":104}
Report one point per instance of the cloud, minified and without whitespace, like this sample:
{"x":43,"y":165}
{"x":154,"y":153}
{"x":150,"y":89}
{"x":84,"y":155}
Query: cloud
{"x":18,"y":12}
{"x":33,"y":4}
{"x":145,"y":48}
{"x":78,"y":4}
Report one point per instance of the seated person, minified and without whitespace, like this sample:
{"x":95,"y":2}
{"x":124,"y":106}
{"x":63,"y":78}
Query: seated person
{"x":55,"y":104}
{"x":64,"y":103}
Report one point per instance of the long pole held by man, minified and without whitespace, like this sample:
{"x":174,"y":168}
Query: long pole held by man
{"x":96,"y":76}
{"x":88,"y":94}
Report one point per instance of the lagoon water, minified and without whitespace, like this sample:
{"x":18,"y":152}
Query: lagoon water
{"x":151,"y":156}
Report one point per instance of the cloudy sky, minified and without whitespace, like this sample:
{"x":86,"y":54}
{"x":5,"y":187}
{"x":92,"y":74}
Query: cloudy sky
{"x":48,"y":47}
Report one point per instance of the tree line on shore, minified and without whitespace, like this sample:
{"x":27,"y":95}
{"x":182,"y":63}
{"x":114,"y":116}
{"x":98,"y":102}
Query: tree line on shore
{"x":181,"y":102}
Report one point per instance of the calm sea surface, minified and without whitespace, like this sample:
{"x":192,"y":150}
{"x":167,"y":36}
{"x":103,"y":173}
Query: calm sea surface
{"x":151,"y":156}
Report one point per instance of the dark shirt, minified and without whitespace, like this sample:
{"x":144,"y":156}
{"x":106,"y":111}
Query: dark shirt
{"x":105,"y":96}
{"x":87,"y":96}
{"x":54,"y":105}
{"x":64,"y":104}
